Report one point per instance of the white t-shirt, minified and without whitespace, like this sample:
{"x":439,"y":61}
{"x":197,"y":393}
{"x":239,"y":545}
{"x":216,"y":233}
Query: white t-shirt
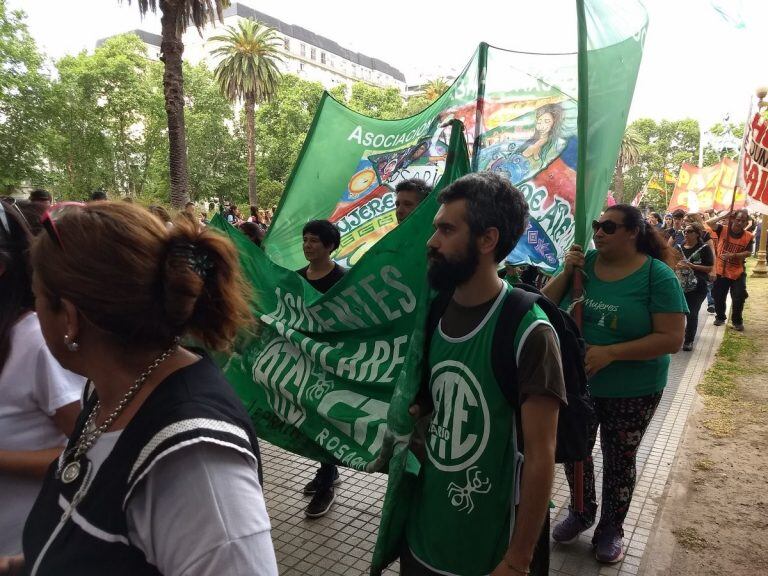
{"x":199,"y":512}
{"x":33,"y":385}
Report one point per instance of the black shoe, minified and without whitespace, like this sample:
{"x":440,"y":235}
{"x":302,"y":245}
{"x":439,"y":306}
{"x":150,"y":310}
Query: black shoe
{"x":320,"y":504}
{"x":718,"y":322}
{"x":711,"y":309}
{"x":738,"y":327}
{"x":688,"y":346}
{"x":311,"y":486}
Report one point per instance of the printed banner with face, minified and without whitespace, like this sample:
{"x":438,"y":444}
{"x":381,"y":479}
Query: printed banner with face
{"x":707,"y":188}
{"x":519,"y":113}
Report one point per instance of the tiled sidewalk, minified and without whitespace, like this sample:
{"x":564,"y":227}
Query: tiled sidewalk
{"x":342,"y":541}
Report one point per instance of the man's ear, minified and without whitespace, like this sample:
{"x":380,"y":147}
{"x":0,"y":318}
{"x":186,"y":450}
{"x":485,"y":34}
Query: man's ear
{"x":487,"y":241}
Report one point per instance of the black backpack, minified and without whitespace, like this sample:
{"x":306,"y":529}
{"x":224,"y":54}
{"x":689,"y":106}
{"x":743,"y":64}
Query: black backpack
{"x":574,"y":419}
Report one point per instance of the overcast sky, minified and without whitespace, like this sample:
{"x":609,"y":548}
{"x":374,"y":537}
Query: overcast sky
{"x":694,"y":65}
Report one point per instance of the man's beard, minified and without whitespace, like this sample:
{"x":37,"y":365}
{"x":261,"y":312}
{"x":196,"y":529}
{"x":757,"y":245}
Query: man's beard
{"x":447,"y":273}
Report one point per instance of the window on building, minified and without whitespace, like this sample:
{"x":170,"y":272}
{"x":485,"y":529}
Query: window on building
{"x":312,"y":53}
{"x":322,"y":58}
{"x":303,"y":50}
{"x":301,"y":66}
{"x":287,"y":44}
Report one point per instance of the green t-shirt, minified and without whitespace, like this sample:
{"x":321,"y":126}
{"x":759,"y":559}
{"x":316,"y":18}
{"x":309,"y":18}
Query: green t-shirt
{"x":621,"y":311}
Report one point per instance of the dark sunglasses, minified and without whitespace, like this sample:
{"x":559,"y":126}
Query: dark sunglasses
{"x":608,"y":226}
{"x":54,"y":213}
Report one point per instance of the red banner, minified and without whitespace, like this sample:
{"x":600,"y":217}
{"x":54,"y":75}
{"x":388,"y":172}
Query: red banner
{"x":707,"y":188}
{"x":754,"y":159}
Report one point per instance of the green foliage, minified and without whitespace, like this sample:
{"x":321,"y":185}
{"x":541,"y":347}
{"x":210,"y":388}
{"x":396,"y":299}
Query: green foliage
{"x":248,"y":61}
{"x":663,"y":144}
{"x":434,"y":89}
{"x":215,"y":140}
{"x":105,"y":120}
{"x":384,"y":103}
{"x":23,"y":90}
{"x":415,"y":104}
{"x":281,"y":127}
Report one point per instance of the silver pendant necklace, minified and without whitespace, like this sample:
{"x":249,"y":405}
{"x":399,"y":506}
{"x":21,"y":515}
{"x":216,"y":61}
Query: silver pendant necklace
{"x":91,"y":433}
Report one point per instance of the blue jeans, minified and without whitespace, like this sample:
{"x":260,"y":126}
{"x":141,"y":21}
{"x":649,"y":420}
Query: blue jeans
{"x":710,"y":298}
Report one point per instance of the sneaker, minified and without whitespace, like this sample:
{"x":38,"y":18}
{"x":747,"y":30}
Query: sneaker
{"x":738,"y":327}
{"x":711,"y":309}
{"x":718,"y":322}
{"x":320,"y":504}
{"x":311,"y":486}
{"x":569,"y":529}
{"x":609,"y":547}
{"x":688,"y":346}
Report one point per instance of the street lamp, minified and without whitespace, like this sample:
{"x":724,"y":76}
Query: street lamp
{"x":761,"y":269}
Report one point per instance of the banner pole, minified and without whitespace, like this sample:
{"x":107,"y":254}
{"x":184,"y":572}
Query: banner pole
{"x":581,"y":205}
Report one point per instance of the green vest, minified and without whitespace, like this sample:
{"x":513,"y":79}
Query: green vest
{"x":464,"y":510}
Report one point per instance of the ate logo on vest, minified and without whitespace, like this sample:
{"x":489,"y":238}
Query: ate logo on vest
{"x":458,"y":432}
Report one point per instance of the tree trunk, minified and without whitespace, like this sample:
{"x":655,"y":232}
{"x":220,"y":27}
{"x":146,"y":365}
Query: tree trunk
{"x":250,"y":135}
{"x":172,"y":49}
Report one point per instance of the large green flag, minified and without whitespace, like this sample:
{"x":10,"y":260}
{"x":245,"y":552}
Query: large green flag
{"x":522,"y":118}
{"x":330,"y":376}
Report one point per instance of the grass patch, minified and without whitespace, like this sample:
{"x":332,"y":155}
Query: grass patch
{"x":704,"y":464}
{"x":738,"y":357}
{"x":689,"y":539}
{"x":732,"y":360}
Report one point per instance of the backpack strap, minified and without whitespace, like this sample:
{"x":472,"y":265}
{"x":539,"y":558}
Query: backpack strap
{"x":436,"y":310}
{"x":503,"y":354}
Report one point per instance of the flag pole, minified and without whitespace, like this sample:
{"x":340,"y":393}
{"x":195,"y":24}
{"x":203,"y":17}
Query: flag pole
{"x":581,"y":206}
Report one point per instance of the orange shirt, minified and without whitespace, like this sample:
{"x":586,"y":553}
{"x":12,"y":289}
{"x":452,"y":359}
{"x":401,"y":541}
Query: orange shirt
{"x":726,"y":242}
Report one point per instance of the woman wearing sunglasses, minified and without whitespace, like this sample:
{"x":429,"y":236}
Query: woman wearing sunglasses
{"x":161,"y":474}
{"x":633,"y":312}
{"x":697,"y":260}
{"x":39,"y":400}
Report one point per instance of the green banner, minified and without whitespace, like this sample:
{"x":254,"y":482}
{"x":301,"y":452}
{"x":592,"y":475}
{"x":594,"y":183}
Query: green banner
{"x":325,"y":375}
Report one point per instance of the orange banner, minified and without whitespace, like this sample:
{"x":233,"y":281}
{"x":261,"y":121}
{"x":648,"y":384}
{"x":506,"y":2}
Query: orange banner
{"x":707,"y":188}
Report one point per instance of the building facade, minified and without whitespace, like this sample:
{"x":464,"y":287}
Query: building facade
{"x":306,"y":54}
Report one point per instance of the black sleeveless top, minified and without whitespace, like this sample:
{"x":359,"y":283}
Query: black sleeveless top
{"x":81,"y":528}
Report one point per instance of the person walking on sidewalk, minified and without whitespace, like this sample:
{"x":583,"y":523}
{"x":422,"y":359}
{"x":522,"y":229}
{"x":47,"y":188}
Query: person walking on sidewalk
{"x":734,"y":245}
{"x":463,"y":519}
{"x":320,"y":238}
{"x":696,"y":263}
{"x":633,"y":320}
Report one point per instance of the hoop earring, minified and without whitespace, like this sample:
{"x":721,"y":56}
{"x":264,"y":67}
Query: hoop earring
{"x":71,"y":345}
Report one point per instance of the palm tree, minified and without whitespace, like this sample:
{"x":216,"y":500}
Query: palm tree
{"x":176,"y":16}
{"x":629,"y":155}
{"x":248,"y":71}
{"x":434,"y":89}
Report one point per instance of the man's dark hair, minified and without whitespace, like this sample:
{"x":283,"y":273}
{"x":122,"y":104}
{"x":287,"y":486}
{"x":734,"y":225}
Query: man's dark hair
{"x":658,"y":217}
{"x":328,"y":233}
{"x":492,"y":202}
{"x":98,"y":195}
{"x":741,"y":212}
{"x":40,"y":195}
{"x":679,"y":213}
{"x":416,"y":185}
